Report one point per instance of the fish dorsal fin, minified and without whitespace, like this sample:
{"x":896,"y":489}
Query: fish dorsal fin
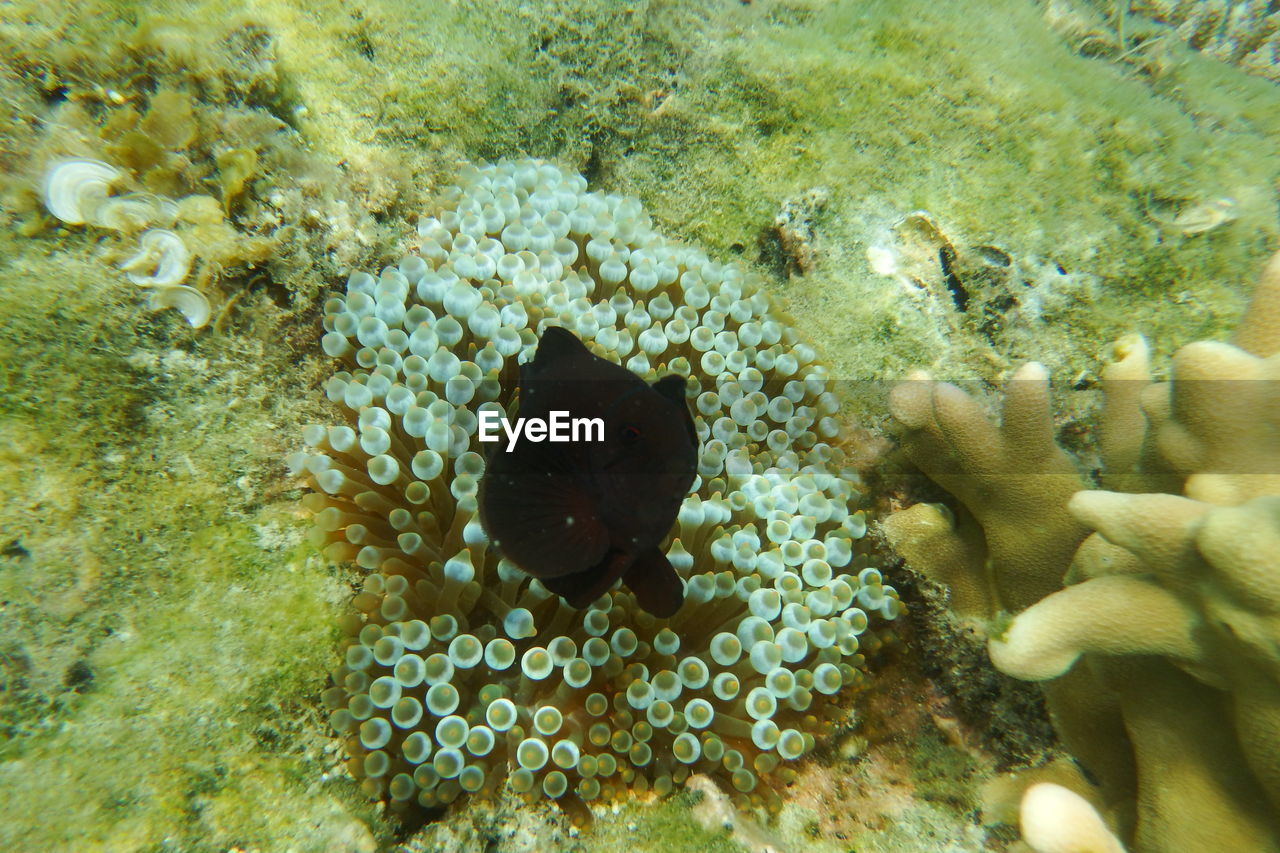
{"x":672,"y":387}
{"x":559,"y":353}
{"x":557,"y":343}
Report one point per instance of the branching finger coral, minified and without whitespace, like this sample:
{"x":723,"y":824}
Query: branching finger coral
{"x":1171,"y":615}
{"x":1057,"y":820}
{"x":1013,"y":478}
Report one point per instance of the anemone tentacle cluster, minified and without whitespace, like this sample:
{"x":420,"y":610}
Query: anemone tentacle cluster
{"x":461,"y":673}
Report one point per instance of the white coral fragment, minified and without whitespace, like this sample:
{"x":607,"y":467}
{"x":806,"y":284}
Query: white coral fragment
{"x":163,"y":261}
{"x":1206,"y":216}
{"x":78,"y":191}
{"x":73,"y":190}
{"x":193,"y":304}
{"x":135,"y":211}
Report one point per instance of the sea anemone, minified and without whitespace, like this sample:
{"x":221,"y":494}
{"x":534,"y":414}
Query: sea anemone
{"x":461,"y":673}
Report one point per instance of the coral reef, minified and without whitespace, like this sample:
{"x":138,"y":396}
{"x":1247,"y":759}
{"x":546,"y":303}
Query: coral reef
{"x":164,"y":623}
{"x":1155,"y":37}
{"x":461,"y":672}
{"x":1163,"y":641}
{"x":1242,"y":32}
{"x":978,"y":290}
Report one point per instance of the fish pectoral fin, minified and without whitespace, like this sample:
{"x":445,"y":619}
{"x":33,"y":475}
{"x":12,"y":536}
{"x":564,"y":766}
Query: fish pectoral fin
{"x":581,"y":588}
{"x":653,"y":580}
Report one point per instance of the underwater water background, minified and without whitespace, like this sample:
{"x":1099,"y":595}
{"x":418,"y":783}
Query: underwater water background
{"x":959,"y":188}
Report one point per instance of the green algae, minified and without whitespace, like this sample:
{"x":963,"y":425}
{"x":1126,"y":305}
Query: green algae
{"x":991,"y":124}
{"x":157,"y":566}
{"x":714,"y":115}
{"x":662,"y":826}
{"x":166,"y":633}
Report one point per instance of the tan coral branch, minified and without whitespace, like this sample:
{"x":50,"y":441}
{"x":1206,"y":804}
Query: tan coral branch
{"x":1109,"y":615}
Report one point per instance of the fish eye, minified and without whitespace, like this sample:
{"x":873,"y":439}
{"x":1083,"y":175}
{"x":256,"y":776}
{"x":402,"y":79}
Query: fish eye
{"x":629,"y":434}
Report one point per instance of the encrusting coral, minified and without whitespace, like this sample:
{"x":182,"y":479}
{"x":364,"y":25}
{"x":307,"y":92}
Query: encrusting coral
{"x":1161,"y":652}
{"x":461,"y":673}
